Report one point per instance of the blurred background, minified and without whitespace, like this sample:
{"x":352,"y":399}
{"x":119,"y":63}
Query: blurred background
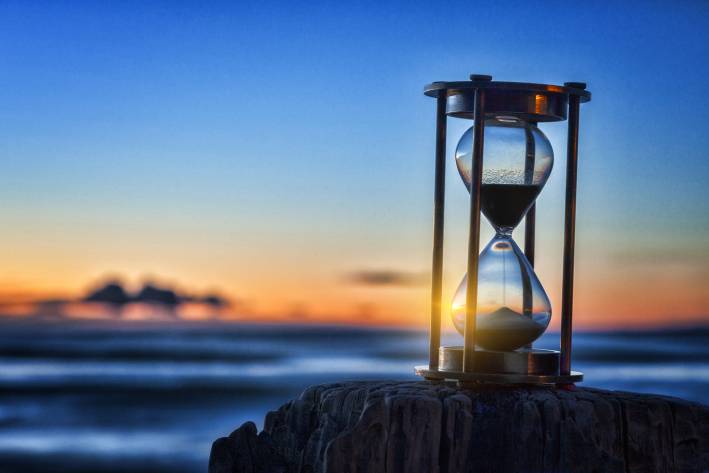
{"x":205,"y":208}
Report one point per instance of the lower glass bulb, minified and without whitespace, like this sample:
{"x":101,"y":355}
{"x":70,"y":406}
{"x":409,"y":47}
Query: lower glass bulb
{"x":513,"y":309}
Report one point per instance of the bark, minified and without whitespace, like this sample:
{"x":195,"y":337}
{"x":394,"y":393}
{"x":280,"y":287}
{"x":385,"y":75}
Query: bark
{"x":426,"y":427}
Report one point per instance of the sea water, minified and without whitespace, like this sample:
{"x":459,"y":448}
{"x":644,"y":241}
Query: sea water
{"x":88,"y":397}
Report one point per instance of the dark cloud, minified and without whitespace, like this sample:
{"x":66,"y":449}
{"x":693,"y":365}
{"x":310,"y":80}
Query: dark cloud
{"x":386,"y":277}
{"x":113,"y":293}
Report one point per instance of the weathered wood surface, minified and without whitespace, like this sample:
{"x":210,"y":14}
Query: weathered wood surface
{"x":412,"y":427}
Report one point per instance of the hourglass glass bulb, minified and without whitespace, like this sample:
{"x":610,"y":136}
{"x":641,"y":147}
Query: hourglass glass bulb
{"x":513,"y":309}
{"x":517,"y":161}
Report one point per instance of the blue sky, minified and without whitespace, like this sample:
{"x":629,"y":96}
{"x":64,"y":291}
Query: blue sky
{"x":252,"y":146}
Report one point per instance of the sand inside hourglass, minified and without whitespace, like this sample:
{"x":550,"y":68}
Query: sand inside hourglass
{"x":505,"y":204}
{"x":511,"y":329}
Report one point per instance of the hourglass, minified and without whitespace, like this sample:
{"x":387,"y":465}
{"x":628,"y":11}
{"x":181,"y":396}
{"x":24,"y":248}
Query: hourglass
{"x":504,"y":159}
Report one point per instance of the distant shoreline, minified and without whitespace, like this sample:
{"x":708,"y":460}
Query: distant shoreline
{"x":687,"y":329}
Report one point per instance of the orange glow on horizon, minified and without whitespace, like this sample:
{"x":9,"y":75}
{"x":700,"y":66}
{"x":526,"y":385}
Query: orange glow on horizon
{"x":663,"y":299}
{"x":309,"y":284}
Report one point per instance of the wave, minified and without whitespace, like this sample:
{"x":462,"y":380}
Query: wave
{"x":80,"y":396}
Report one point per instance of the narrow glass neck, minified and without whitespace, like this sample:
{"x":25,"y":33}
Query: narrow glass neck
{"x":504,"y":233}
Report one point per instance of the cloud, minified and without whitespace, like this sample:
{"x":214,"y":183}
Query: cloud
{"x":113,"y":293}
{"x":386,"y":277}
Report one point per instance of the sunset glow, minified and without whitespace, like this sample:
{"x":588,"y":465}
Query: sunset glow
{"x":219,"y":156}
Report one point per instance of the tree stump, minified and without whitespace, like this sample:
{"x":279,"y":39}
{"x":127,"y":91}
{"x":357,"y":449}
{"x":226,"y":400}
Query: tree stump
{"x":427,"y":427}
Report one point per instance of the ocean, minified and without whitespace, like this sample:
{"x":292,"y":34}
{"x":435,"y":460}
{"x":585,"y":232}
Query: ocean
{"x":151,"y":397}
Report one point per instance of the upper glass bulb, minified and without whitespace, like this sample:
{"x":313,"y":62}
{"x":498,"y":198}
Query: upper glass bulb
{"x":517,"y":162}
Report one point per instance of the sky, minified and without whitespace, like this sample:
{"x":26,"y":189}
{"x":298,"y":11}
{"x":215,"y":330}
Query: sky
{"x":282,"y":153}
